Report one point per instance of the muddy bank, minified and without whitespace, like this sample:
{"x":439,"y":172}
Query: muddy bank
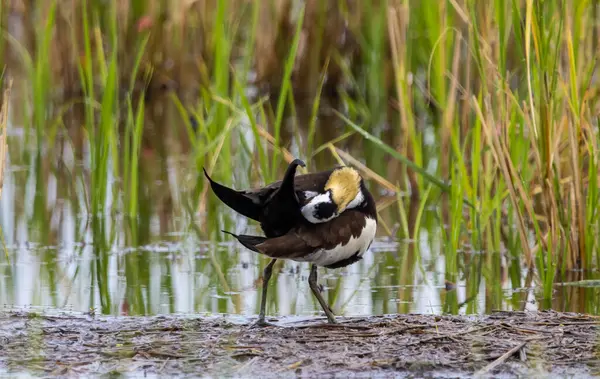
{"x":505,"y":344}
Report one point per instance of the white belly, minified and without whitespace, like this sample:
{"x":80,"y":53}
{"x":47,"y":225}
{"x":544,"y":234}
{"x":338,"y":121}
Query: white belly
{"x":360,"y":244}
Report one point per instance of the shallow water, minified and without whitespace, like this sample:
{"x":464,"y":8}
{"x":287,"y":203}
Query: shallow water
{"x":178,"y":280}
{"x":159,"y":265}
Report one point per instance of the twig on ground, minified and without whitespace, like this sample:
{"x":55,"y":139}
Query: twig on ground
{"x":504,"y":357}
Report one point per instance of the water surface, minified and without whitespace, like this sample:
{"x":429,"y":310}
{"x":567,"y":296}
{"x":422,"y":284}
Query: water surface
{"x":172,"y":257}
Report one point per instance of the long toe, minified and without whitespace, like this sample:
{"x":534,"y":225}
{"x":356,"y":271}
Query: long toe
{"x":261,"y":323}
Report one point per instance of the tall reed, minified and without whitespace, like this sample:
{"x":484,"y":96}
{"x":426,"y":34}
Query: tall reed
{"x":485,"y":110}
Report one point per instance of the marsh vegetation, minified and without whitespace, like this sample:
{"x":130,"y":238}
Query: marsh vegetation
{"x":475,"y":123}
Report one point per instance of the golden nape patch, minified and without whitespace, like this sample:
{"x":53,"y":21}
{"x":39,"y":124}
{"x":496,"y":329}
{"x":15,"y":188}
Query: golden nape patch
{"x":344,"y":184}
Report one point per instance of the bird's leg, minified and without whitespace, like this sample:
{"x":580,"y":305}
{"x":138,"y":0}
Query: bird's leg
{"x":312,"y":282}
{"x":263,"y":301}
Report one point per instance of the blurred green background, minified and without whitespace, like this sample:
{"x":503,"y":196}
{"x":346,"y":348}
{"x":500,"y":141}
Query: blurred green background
{"x":474,"y":123}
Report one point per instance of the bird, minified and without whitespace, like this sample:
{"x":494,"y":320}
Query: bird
{"x":326,"y":218}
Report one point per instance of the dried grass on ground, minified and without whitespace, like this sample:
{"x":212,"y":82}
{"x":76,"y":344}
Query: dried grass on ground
{"x":511,"y":343}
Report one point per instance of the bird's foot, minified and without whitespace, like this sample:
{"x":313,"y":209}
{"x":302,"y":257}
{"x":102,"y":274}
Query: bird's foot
{"x":261,"y":323}
{"x":331,"y":319}
{"x":330,"y":315}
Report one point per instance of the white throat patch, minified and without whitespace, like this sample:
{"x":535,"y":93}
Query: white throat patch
{"x":309,"y":211}
{"x":310,"y":194}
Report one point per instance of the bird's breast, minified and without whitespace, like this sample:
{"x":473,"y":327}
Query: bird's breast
{"x":345,"y":249}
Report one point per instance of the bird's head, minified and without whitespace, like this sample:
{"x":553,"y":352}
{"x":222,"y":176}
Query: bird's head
{"x":342,"y":191}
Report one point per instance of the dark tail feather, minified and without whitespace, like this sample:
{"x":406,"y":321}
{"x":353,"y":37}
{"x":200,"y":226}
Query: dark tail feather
{"x":286,"y":192}
{"x":235,"y":200}
{"x":288,"y":177}
{"x":248,"y":241}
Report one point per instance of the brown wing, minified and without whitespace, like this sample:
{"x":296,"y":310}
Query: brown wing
{"x":308,"y":182}
{"x":307,"y":238}
{"x":312,"y":182}
{"x":288,"y":246}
